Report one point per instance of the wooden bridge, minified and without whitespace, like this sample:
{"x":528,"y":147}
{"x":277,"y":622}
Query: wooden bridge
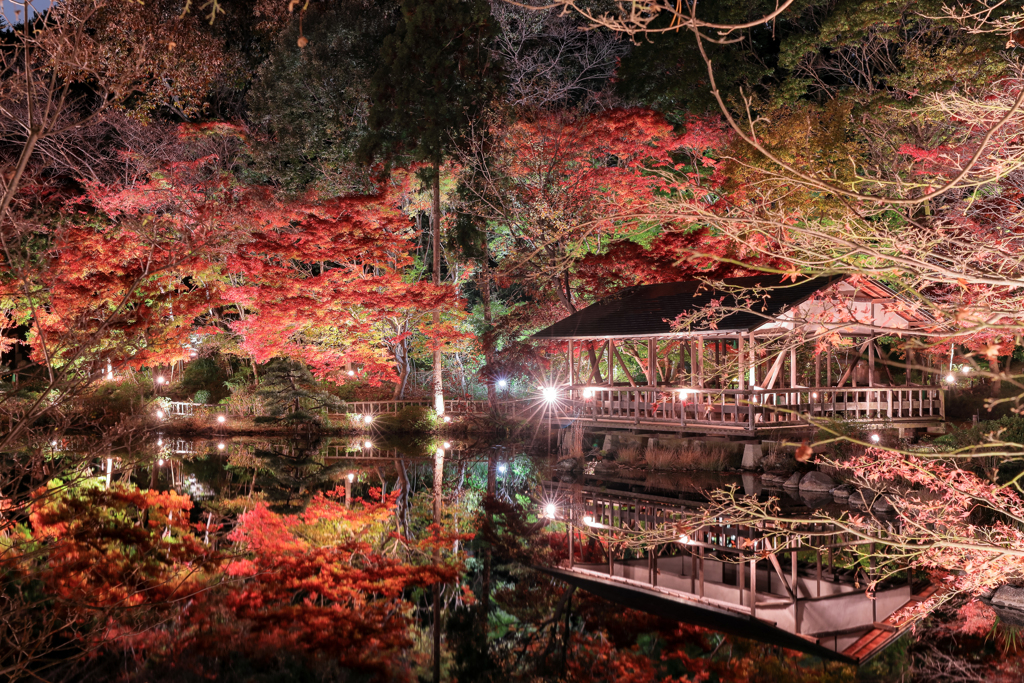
{"x":748,"y":580}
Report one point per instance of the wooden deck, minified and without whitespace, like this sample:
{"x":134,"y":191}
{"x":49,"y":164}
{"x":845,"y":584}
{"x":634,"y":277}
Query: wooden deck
{"x":751,"y":412}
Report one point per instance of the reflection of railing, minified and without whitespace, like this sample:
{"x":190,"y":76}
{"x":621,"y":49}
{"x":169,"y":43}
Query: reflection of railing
{"x":749,"y":409}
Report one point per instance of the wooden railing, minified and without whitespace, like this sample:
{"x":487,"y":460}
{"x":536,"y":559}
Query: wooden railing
{"x":749,"y":409}
{"x":185,"y":408}
{"x":451,"y":406}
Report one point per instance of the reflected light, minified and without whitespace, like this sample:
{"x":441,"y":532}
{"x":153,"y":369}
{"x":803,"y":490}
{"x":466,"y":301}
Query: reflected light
{"x":550,"y":394}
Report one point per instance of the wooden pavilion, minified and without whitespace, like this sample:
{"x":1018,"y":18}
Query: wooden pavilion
{"x":744,"y":357}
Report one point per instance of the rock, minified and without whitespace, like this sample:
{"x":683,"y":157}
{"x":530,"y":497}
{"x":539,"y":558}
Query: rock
{"x":841,"y":494}
{"x":881,"y":505}
{"x":567,"y":465}
{"x":770,"y":479}
{"x":1008,"y":602}
{"x":857,"y":500}
{"x":751,"y":456}
{"x":606,"y":466}
{"x":793,"y":482}
{"x":815,"y":499}
{"x":817,"y":481}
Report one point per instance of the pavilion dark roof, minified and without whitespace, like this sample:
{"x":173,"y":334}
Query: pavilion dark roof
{"x":644,"y":311}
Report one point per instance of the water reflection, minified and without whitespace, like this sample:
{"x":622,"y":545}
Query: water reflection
{"x":465,"y":524}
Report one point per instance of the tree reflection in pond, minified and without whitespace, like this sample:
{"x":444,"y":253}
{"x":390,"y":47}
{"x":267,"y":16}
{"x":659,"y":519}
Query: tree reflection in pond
{"x":273,"y":577}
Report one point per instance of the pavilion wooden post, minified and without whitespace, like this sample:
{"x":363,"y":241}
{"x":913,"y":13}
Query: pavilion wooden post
{"x":611,"y":365}
{"x":817,"y":366}
{"x":652,"y":363}
{"x":700,"y":361}
{"x":572,"y":365}
{"x":740,"y":378}
{"x":871,"y":365}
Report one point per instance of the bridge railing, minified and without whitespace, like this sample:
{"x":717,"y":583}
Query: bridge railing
{"x":451,"y":406}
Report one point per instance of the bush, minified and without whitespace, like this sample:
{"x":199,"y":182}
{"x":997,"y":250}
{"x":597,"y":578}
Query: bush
{"x":1012,"y":426}
{"x":201,"y":396}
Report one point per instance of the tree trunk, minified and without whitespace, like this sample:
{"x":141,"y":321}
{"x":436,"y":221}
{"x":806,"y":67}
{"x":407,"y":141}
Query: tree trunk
{"x":435,"y":230}
{"x":488,"y":338}
{"x":438,"y":480}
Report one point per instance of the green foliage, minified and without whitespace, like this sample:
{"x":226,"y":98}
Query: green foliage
{"x":204,"y":374}
{"x":312,"y":102}
{"x":437,"y":74}
{"x":290,"y":392}
{"x":1010,"y":426}
{"x":201,"y":396}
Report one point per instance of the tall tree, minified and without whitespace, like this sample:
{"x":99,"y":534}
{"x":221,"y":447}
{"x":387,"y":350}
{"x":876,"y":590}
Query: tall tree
{"x":437,"y":74}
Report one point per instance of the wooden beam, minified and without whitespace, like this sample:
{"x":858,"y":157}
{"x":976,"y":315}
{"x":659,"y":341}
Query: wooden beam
{"x":595,"y":363}
{"x":741,"y":379}
{"x":622,"y":363}
{"x":856,"y":360}
{"x":785,"y":582}
{"x":611,"y":365}
{"x":572,"y":364}
{"x":885,"y":363}
{"x":774,"y":372}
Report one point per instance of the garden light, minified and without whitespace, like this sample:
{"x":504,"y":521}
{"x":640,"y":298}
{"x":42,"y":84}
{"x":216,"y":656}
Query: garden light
{"x":368,"y":419}
{"x":447,"y":445}
{"x":814,"y":394}
{"x":588,"y":393}
{"x":220,"y":446}
{"x":447,"y":418}
{"x":160,"y":462}
{"x":588,"y":520}
{"x":367,"y":444}
{"x":501,"y":469}
{"x":550,"y":394}
{"x":221,"y":419}
{"x":160,"y":379}
{"x":950,"y":378}
{"x":502,"y":384}
{"x":550,"y":510}
{"x":684,"y":539}
{"x":684,"y":394}
{"x":351,"y":476}
{"x":351,"y":373}
{"x":160,"y":441}
{"x":875,"y":438}
{"x":159,"y":414}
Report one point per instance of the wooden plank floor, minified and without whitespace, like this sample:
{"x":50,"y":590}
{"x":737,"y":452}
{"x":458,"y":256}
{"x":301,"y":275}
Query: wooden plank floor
{"x":888,"y":631}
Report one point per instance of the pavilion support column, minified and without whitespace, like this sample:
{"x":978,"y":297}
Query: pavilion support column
{"x":611,"y":364}
{"x":792,"y":366}
{"x":742,"y":371}
{"x":693,"y":363}
{"x":681,"y":370}
{"x":700,"y":362}
{"x":652,"y":363}
{"x":817,"y":366}
{"x":828,"y":367}
{"x":572,"y":365}
{"x":871,"y":365}
{"x":753,"y":363}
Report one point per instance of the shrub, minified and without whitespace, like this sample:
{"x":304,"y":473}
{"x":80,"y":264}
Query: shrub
{"x":201,"y":396}
{"x":660,"y":457}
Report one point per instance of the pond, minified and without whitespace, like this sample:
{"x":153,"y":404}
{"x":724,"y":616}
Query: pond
{"x":172,"y":558}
